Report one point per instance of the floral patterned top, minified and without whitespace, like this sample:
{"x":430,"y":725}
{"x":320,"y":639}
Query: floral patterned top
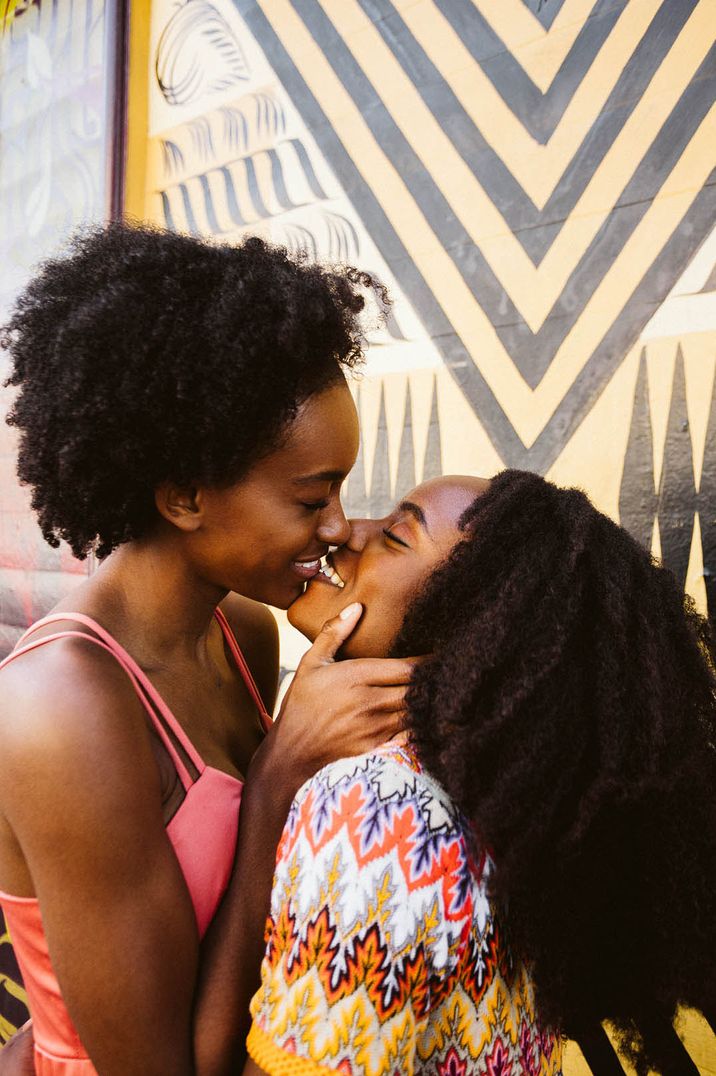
{"x":384,"y":954}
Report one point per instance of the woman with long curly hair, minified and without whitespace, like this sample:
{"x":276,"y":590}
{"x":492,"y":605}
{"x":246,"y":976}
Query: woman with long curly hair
{"x":183,"y":412}
{"x":540,"y":852}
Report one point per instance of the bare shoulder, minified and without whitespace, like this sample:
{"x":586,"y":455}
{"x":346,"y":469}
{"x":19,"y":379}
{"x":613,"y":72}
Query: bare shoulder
{"x":256,"y":632}
{"x":76,"y":757}
{"x":65,"y":696}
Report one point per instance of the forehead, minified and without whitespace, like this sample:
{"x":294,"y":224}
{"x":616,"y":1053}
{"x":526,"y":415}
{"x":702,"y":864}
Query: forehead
{"x":322,"y":438}
{"x":444,"y":499}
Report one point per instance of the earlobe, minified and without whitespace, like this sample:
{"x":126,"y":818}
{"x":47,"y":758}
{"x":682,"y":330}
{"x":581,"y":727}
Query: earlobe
{"x":179,"y":505}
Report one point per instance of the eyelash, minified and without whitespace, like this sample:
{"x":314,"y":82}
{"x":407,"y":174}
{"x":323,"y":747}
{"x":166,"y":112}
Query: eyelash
{"x":393,"y":538}
{"x":316,"y":507}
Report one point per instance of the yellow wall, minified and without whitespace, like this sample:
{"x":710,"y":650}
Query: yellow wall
{"x":533,"y":181}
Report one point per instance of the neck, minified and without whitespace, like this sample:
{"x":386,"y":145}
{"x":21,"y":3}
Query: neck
{"x":148,"y":595}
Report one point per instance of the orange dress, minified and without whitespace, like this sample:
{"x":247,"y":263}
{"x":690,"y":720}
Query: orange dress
{"x":203,"y":832}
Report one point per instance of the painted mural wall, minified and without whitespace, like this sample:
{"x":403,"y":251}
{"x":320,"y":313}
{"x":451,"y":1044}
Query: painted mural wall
{"x":53,"y":139}
{"x":534,"y":182}
{"x":53,"y":149}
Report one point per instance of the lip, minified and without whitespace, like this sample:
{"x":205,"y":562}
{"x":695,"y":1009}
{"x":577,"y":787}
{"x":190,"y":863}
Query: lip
{"x":320,"y":577}
{"x":303,"y":571}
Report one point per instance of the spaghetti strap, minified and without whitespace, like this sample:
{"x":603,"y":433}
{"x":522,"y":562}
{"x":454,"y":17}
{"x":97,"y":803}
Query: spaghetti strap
{"x":181,"y":769}
{"x":244,"y":669}
{"x":140,"y":677}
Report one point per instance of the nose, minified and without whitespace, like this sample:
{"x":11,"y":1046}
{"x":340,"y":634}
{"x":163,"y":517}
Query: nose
{"x":333,"y":528}
{"x":361,"y":531}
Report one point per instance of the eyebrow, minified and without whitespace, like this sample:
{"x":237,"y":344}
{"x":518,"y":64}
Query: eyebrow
{"x":416,"y":511}
{"x":320,"y":476}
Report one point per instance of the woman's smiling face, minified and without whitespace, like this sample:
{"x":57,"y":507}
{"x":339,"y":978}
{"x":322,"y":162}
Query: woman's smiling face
{"x":265,"y":535}
{"x":385,"y":561}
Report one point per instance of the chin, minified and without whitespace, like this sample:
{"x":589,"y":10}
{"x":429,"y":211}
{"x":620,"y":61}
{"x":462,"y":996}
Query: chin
{"x":310,"y":610}
{"x":299,"y":618}
{"x":286,"y":598}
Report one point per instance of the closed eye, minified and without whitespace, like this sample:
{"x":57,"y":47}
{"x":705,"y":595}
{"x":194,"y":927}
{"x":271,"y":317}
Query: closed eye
{"x":316,"y":506}
{"x":394,"y":538}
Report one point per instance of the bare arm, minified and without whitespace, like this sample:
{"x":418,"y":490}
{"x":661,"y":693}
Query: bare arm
{"x":332,"y":710}
{"x":79,"y":789}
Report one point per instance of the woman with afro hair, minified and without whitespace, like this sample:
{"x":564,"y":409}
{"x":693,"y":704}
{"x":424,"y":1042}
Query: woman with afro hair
{"x":540,"y":851}
{"x":183,"y":413}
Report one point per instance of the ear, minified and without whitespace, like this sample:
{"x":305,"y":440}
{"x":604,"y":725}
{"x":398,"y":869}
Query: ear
{"x":179,"y":505}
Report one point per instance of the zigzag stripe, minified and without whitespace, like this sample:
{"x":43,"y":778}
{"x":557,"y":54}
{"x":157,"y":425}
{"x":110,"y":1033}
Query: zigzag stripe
{"x":548,"y":12}
{"x":533,"y":352}
{"x":619,"y":338}
{"x":473,"y":266}
{"x":542,"y":50}
{"x":400,"y":833}
{"x":546,"y":426}
{"x":532,"y":292}
{"x":538,"y":111}
{"x":391,"y":247}
{"x":518,"y":209}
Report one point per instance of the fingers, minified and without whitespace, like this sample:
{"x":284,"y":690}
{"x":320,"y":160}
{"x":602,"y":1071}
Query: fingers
{"x":379,"y":672}
{"x":385,"y":700}
{"x":332,"y":636}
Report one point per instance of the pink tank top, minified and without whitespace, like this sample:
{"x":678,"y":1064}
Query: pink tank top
{"x":203,"y":832}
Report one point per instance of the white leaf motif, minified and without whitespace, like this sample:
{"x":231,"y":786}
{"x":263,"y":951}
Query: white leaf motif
{"x":39,"y":61}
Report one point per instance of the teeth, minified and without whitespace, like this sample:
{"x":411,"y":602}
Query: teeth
{"x":308,"y":563}
{"x":332,"y":575}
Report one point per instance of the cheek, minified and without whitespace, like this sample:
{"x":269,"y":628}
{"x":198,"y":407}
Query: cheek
{"x":375,"y":632}
{"x":297,"y":534}
{"x":314,"y":607}
{"x":385,"y":602}
{"x":276,"y":545}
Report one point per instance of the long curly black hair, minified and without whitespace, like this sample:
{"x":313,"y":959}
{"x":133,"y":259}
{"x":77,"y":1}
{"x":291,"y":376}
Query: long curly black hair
{"x":569,"y":710}
{"x":143,"y":355}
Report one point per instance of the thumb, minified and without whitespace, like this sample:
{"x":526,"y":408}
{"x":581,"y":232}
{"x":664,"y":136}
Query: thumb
{"x":332,"y":635}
